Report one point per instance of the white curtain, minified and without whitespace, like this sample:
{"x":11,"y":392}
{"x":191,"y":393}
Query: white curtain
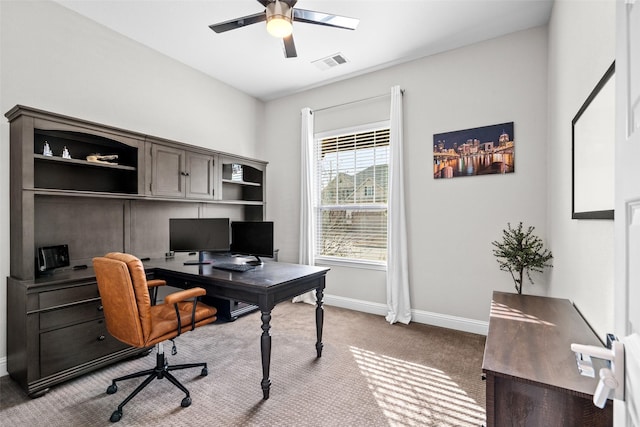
{"x":398,"y":304}
{"x":307,"y":226}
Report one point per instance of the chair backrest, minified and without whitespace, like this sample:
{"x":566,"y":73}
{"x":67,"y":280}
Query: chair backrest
{"x":122,"y":284}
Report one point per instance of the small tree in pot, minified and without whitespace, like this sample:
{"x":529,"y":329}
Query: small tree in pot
{"x":521,"y":252}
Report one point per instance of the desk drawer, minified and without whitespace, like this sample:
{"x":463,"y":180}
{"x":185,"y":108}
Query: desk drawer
{"x":70,"y":315}
{"x":68,"y":295}
{"x":68,"y":347}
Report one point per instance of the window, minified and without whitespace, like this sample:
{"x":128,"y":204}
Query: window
{"x":352,"y":180}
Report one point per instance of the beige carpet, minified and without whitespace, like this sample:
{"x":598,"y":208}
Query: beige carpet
{"x":370,"y":374}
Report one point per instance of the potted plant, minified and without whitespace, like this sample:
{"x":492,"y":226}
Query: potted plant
{"x":520,"y":252}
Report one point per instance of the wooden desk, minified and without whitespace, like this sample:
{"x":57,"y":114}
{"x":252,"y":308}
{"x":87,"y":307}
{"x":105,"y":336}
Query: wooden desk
{"x":264,"y":286}
{"x":532,"y":376}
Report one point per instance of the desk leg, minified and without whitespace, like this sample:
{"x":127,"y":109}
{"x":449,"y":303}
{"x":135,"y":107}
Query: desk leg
{"x":319,"y":321}
{"x":265,"y":348}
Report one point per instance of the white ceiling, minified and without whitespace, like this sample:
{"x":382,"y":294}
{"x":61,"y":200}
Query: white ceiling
{"x":390,"y":32}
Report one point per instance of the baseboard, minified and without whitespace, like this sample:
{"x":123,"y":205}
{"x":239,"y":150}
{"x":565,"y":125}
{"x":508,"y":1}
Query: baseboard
{"x":355,"y":304}
{"x":3,"y":367}
{"x":418,"y":316}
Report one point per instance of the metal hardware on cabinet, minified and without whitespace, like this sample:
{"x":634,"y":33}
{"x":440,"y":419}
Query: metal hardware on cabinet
{"x":101,"y":338}
{"x":611,"y":382}
{"x":100,"y":307}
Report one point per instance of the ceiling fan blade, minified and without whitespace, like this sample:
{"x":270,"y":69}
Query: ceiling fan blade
{"x":320,"y":18}
{"x":289,"y":47}
{"x":238,"y":22}
{"x":291,"y":3}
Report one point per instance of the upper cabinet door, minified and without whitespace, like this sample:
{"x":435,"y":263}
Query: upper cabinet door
{"x":199,"y":176}
{"x":168,"y":173}
{"x":181,"y":173}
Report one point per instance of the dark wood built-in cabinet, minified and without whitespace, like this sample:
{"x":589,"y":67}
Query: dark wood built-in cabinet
{"x":176,"y":172}
{"x":56,"y":330}
{"x":55,"y":325}
{"x":532,"y":377}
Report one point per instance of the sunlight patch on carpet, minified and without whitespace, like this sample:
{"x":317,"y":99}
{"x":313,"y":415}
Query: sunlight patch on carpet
{"x":414,"y":394}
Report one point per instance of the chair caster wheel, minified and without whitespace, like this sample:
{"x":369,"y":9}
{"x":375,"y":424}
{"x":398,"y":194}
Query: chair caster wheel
{"x":186,"y":402}
{"x":204,"y":372}
{"x":112,"y":389}
{"x":115,"y":417}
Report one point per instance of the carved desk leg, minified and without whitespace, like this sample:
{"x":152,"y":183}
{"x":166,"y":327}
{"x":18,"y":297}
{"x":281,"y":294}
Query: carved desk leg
{"x":319,"y":321}
{"x":265,"y":348}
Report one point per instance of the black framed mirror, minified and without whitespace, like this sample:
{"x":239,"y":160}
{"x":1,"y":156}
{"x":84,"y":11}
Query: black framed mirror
{"x":593,"y":147}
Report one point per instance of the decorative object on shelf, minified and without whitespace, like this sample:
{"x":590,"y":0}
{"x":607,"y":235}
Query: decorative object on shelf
{"x":46,"y":151}
{"x":65,"y":153}
{"x":521,"y":252}
{"x":236,"y":172}
{"x":111,"y":159}
{"x":478,"y":151}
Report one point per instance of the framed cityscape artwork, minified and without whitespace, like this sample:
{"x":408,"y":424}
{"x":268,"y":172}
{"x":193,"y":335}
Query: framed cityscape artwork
{"x":477,"y":151}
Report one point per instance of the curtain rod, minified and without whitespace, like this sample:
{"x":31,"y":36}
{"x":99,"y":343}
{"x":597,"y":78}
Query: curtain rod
{"x":356,"y":101}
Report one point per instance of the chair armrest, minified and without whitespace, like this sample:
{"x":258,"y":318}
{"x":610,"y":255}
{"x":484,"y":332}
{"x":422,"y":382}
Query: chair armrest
{"x":184,"y":295}
{"x":152,"y":283}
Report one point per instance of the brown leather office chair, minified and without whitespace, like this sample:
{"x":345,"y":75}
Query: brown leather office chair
{"x":132,"y":319}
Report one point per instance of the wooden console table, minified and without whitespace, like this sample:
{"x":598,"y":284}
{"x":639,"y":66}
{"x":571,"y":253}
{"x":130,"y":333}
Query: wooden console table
{"x":531,"y":372}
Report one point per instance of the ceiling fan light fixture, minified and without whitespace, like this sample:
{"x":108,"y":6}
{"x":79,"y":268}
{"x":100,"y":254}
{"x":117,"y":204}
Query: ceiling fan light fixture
{"x":279,"y":17}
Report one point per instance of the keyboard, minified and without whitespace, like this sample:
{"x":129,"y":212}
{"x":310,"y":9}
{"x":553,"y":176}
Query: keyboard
{"x":231,"y":266}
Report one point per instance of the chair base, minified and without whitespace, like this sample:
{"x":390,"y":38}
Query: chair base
{"x":161,"y":370}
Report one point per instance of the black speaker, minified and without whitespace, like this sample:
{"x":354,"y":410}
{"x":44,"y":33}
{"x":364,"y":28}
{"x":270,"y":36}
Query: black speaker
{"x":51,"y":257}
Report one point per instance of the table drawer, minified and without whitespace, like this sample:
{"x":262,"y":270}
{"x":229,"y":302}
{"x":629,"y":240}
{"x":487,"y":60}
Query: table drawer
{"x":73,"y":314}
{"x":69,"y":347}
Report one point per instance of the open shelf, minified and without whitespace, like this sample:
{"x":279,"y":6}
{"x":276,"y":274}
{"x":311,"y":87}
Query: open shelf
{"x":80,"y":162}
{"x":242,"y":202}
{"x":242,"y":182}
{"x":231,"y":181}
{"x":77,"y":174}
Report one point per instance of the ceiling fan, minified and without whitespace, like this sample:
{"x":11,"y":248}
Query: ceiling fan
{"x":280,"y":15}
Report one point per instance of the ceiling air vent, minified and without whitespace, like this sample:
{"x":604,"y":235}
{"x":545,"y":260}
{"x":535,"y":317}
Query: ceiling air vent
{"x":330,"y":61}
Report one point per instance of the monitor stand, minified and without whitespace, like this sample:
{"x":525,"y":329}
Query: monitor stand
{"x":199,"y":261}
{"x":255,"y":262}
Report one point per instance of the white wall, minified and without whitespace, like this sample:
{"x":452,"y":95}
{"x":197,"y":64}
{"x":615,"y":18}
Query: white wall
{"x":451,"y":222}
{"x":581,"y":48}
{"x":54,"y":59}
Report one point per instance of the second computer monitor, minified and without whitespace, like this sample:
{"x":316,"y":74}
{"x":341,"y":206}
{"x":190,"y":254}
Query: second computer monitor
{"x":254,"y":238}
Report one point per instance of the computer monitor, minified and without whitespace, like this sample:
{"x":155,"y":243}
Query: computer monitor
{"x":199,"y":235}
{"x":253,"y":238}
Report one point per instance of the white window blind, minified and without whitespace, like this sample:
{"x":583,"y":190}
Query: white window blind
{"x":352,"y":191}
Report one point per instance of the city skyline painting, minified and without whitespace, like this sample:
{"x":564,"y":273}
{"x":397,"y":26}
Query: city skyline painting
{"x":476,"y":151}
